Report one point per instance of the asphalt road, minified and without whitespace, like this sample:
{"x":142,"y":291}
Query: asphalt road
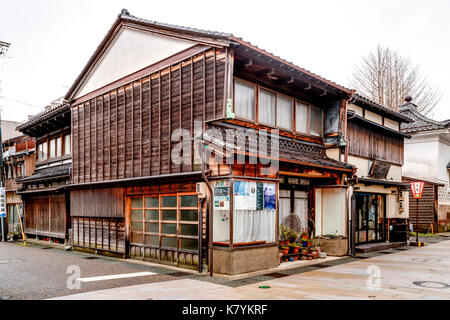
{"x":38,"y":272}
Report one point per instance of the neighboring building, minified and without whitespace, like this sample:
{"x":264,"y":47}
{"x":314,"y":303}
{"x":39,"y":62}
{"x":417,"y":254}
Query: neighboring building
{"x":375,"y":147}
{"x":18,"y":161}
{"x":427,"y":158}
{"x":44,"y":193}
{"x":8,"y":132}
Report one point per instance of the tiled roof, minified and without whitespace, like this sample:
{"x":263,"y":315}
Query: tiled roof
{"x":421,"y":123}
{"x":397,"y":115}
{"x":55,"y":107}
{"x":9,"y":130}
{"x":304,"y":153}
{"x":50,"y":172}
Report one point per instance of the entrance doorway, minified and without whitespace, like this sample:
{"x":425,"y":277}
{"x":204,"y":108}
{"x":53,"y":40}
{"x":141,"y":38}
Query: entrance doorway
{"x":370,"y":213}
{"x":296,"y":202}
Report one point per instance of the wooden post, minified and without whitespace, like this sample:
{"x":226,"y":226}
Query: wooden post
{"x":21,"y":226}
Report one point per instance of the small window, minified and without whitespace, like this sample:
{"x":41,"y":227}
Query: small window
{"x":284,"y":113}
{"x":67,"y":144}
{"x":42,"y":151}
{"x":52,"y":148}
{"x":301,"y":117}
{"x":59,"y":147}
{"x":244,"y":100}
{"x":266,"y":111}
{"x":316,"y":122}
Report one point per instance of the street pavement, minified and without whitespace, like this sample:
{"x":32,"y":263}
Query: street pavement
{"x":405,"y":273}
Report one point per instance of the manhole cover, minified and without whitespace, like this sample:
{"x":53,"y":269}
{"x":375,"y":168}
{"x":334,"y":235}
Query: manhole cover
{"x":432,"y":284}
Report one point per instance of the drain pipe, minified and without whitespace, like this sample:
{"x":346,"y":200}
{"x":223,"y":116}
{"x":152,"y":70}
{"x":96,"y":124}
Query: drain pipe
{"x":209,"y":212}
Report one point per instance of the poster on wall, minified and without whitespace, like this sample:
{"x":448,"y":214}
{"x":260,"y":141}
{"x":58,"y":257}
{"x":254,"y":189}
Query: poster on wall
{"x":259,"y":196}
{"x":251,"y":204}
{"x":270,"y":200}
{"x":222,"y":195}
{"x":241,"y":194}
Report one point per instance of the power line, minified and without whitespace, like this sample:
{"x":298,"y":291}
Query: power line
{"x":21,"y":102}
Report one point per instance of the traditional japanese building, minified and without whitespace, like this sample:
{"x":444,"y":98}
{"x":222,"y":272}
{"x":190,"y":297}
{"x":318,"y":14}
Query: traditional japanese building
{"x":427,"y":158}
{"x":379,"y":205}
{"x":44,"y":192}
{"x":153,"y":101}
{"x":18,"y":161}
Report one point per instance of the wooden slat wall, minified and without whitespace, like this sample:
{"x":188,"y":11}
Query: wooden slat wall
{"x":125,"y":133}
{"x":426,"y":208}
{"x":372,"y":144}
{"x":46,"y":214}
{"x":99,"y":233}
{"x":106,"y":203}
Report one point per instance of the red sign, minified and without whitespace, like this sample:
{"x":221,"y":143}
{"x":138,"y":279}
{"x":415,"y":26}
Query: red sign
{"x":417,"y":189}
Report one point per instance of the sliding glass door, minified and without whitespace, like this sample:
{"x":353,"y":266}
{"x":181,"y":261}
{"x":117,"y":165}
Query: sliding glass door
{"x":370,"y":210}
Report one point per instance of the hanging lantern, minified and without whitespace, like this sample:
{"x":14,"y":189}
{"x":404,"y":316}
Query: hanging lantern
{"x":417,"y":189}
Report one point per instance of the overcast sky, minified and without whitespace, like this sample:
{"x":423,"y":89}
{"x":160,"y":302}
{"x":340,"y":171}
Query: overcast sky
{"x":51,"y":40}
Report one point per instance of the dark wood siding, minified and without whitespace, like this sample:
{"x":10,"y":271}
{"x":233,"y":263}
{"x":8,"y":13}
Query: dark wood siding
{"x":105,"y":203}
{"x":370,"y":143}
{"x":125,"y":133}
{"x":45,"y":215}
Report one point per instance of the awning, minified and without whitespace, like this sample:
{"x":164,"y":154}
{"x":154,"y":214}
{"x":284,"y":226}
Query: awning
{"x":386,"y":183}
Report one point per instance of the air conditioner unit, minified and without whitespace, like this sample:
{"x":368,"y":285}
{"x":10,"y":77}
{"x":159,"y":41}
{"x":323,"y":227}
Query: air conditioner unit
{"x":201,"y":190}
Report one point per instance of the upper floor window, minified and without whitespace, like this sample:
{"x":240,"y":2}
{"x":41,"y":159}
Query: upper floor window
{"x":54,"y":148}
{"x":244,"y":100}
{"x":276,"y":110}
{"x":67,"y":144}
{"x":284,"y":112}
{"x":266,"y":107}
{"x":42,"y":151}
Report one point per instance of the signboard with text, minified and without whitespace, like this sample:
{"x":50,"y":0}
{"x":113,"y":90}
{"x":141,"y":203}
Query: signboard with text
{"x":2,"y":203}
{"x":417,"y":189}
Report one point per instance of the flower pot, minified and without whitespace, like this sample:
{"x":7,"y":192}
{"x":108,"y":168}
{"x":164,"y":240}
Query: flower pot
{"x":296,"y":249}
{"x":315,"y":254}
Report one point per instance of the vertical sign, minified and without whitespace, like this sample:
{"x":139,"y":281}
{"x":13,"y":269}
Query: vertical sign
{"x":2,"y":203}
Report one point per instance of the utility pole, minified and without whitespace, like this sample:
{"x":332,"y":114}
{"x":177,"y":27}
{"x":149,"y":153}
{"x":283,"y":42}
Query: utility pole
{"x":3,"y":49}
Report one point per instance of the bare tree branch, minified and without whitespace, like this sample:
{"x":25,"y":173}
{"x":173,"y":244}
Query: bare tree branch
{"x":387,"y":78}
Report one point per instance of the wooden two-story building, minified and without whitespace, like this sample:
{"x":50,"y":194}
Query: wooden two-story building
{"x":18,"y":160}
{"x":153,"y":101}
{"x":44,"y":192}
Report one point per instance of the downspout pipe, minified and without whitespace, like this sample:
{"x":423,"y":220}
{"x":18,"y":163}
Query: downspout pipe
{"x":210,"y":208}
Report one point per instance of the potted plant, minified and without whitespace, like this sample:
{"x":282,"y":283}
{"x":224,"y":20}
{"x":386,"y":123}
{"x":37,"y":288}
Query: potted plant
{"x":284,"y":250}
{"x":296,"y":248}
{"x":284,"y":234}
{"x":315,"y":253}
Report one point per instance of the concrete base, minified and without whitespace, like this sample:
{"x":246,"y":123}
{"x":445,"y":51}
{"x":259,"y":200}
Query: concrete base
{"x":243,"y":260}
{"x":334,"y":247}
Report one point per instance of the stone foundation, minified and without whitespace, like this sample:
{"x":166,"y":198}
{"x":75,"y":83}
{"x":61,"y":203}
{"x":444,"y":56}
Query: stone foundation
{"x":334,"y":247}
{"x":243,"y":260}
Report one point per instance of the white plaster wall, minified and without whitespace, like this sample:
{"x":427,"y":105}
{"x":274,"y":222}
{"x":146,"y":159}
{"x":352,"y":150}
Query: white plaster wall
{"x":330,"y":211}
{"x":361,"y":164}
{"x":391,"y":124}
{"x":374,"y":117}
{"x":332,"y":153}
{"x":131,"y":51}
{"x":358,"y":110}
{"x":395,"y":173}
{"x":421,"y":157}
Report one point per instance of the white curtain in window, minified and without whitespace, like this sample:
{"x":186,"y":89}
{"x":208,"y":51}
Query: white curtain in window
{"x":244,"y":104}
{"x":266,"y":108}
{"x":284,"y":113}
{"x":301,"y":117}
{"x":254,"y":225}
{"x":316,"y":121}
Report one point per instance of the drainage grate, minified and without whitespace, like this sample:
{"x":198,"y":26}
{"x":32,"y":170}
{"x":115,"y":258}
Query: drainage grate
{"x":46,"y":248}
{"x":276,"y":275}
{"x":90,"y":258}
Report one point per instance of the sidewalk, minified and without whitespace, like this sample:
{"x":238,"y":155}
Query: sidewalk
{"x":421,"y":273}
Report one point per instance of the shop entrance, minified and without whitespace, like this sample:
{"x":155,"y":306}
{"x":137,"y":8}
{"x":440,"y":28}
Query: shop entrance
{"x":370,"y":213}
{"x":296,"y":202}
